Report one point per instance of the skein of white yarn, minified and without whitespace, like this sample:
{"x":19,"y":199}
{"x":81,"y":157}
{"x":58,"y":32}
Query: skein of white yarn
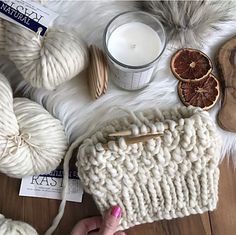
{"x":2,"y":31}
{"x":45,"y":61}
{"x":31,"y":140}
{"x":11,"y":227}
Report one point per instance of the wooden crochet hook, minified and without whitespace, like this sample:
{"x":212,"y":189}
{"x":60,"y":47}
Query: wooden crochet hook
{"x":138,"y":139}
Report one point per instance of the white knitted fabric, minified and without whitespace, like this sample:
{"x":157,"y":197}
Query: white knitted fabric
{"x":11,"y":227}
{"x":31,"y":140}
{"x":45,"y":61}
{"x":172,"y":176}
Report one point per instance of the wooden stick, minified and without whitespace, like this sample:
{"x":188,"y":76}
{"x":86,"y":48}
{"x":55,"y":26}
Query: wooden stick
{"x":121,"y":133}
{"x":129,"y":132}
{"x":138,"y":139}
{"x":143,"y":138}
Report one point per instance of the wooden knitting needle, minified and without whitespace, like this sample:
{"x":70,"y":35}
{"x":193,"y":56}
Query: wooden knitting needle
{"x":129,"y":133}
{"x":137,"y":139}
{"x":120,"y":133}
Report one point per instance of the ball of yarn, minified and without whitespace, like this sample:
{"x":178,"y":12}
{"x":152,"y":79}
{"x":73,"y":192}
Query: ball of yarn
{"x":12,"y":227}
{"x":31,"y":140}
{"x":45,"y":61}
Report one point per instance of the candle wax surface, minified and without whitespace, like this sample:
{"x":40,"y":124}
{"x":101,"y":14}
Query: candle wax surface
{"x":134,"y":44}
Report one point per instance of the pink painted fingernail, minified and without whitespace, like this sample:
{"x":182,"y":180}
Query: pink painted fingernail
{"x":116,"y":212}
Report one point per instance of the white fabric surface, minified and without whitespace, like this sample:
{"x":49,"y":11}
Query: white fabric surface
{"x":72,"y":103}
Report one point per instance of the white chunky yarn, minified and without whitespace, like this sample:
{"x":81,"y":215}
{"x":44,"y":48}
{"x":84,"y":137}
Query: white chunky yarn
{"x":31,"y":140}
{"x":11,"y":227}
{"x":172,"y":176}
{"x":45,"y":61}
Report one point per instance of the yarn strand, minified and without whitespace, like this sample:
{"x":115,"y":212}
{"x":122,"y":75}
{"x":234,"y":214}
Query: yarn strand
{"x":66,"y":162}
{"x":61,"y":209}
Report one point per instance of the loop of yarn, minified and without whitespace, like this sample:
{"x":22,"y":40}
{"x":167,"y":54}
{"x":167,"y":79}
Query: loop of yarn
{"x":31,"y":140}
{"x":45,"y":61}
{"x":172,"y":176}
{"x":19,"y":141}
{"x":13,"y":227}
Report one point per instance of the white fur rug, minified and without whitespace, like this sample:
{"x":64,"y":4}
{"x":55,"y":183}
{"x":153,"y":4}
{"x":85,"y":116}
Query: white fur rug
{"x":72,"y":103}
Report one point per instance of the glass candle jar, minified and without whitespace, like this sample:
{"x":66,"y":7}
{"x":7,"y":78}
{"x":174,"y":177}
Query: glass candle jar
{"x":133,"y":42}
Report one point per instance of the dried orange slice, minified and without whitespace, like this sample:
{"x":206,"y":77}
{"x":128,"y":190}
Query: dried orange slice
{"x":204,"y":93}
{"x":190,"y":65}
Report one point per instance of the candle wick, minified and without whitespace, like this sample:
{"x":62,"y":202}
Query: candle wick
{"x":133,"y":46}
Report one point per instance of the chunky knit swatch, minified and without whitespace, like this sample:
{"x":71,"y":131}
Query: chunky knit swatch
{"x":171,"y":176}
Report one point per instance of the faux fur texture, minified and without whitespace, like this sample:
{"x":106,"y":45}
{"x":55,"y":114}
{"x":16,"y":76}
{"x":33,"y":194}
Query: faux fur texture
{"x":71,"y":102}
{"x":190,"y":23}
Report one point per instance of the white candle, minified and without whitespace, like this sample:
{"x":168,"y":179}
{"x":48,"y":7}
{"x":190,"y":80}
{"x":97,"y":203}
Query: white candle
{"x":134,"y":44}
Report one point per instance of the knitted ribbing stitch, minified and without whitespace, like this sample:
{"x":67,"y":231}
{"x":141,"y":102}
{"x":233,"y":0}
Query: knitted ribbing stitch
{"x":172,"y":176}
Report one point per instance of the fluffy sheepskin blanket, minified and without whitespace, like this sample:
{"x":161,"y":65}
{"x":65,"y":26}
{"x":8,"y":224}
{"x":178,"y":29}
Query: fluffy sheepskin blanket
{"x":191,"y":23}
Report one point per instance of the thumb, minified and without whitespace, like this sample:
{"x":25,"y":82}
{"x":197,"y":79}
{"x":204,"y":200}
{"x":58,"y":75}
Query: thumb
{"x":111,"y":221}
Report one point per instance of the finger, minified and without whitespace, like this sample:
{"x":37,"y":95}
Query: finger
{"x":111,"y":221}
{"x":87,"y":225}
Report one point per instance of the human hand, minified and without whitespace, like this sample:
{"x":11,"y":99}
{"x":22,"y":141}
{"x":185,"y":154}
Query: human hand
{"x":107,"y":226}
